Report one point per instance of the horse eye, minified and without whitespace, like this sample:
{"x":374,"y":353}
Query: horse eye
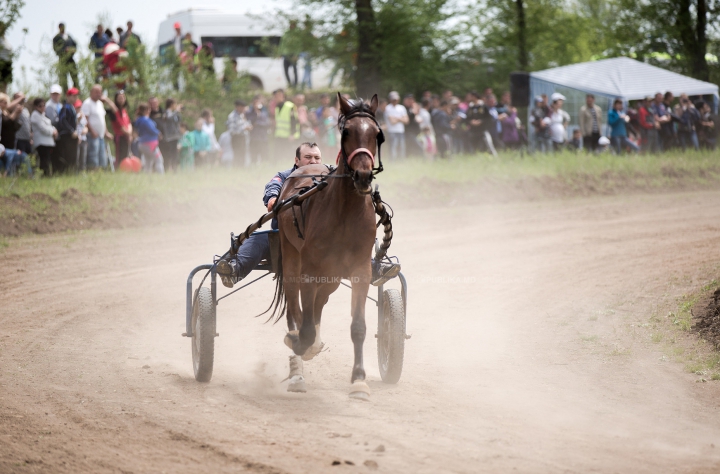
{"x":346,"y":133}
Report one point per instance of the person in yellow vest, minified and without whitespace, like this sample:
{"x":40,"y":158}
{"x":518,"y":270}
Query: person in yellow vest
{"x":287,"y":130}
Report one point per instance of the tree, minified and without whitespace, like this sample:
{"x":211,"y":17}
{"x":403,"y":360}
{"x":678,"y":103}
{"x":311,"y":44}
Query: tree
{"x":9,"y":13}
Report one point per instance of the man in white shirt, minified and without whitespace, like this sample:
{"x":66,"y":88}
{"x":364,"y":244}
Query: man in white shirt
{"x":94,"y":110}
{"x":396,"y":117}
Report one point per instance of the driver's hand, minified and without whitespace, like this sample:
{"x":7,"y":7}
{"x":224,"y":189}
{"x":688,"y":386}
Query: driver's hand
{"x":271,"y":203}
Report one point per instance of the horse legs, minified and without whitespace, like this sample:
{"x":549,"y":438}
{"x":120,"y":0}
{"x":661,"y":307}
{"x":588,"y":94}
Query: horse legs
{"x":359,"y":388}
{"x":321,"y":299}
{"x":291,"y":281}
{"x":306,"y":336}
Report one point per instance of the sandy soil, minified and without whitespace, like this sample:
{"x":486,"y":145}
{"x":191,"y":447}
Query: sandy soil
{"x":528,"y":352}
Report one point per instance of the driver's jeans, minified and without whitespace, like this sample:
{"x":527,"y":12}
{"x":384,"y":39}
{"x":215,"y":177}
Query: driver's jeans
{"x":254,"y":250}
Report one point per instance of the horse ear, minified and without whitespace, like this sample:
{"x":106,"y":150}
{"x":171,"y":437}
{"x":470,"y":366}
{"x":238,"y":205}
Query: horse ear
{"x":374,"y":104}
{"x":344,"y":105}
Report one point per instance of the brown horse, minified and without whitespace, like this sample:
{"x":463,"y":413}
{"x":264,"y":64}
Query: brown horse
{"x":328,"y":238}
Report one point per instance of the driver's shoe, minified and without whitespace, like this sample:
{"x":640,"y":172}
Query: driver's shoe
{"x":385,"y":272}
{"x":227,"y":270}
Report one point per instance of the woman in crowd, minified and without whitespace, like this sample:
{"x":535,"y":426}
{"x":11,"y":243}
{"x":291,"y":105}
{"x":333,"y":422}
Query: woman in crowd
{"x":171,"y":134}
{"x":510,"y":133}
{"x":122,"y":127}
{"x":559,"y":120}
{"x":10,"y":125}
{"x":617,"y":120}
{"x":148,"y":140}
{"x":44,"y":135}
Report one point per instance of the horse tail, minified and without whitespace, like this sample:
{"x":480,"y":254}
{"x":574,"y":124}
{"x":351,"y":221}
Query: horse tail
{"x":278,"y":305}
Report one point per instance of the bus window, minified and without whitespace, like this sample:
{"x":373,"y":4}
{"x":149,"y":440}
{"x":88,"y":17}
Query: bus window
{"x":238,"y":46}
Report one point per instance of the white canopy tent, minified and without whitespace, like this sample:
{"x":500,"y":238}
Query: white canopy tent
{"x":608,"y":79}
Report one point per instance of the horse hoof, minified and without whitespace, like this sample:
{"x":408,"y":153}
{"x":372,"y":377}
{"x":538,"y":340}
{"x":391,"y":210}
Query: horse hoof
{"x":297,"y":384}
{"x":312,"y":352}
{"x":290,"y":337}
{"x":359,"y":390}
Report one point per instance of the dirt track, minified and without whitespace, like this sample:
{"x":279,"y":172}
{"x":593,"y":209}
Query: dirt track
{"x":526,"y":353}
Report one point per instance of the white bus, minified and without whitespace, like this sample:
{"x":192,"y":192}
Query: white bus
{"x":236,"y":35}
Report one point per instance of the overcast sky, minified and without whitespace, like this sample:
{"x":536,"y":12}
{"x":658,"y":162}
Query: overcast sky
{"x":41,"y":18}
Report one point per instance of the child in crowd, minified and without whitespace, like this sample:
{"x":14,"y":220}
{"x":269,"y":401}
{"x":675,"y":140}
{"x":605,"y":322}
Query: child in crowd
{"x":577,"y":140}
{"x":202,"y":144}
{"x":149,"y":140}
{"x":186,"y":145}
{"x":226,"y":145}
{"x":82,"y":131}
{"x":426,"y":141}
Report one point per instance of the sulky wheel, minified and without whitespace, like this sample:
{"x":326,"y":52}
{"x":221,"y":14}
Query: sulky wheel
{"x":203,"y":330}
{"x":391,"y":336}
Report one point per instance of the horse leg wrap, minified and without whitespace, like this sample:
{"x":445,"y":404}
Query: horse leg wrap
{"x":297,"y":380}
{"x":360,"y":390}
{"x":317,"y":346}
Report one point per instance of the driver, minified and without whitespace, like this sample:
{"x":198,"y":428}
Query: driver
{"x":257,"y":247}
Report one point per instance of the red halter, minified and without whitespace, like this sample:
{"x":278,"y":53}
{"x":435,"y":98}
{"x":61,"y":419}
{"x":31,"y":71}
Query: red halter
{"x":355,"y":153}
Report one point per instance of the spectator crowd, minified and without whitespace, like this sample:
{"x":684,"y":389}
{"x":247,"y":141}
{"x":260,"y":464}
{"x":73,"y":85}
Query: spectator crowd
{"x":66,"y":133}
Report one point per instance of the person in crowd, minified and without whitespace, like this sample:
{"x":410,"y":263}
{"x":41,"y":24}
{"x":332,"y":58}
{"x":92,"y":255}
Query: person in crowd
{"x":286,"y":124}
{"x":209,"y":128}
{"x":476,"y":120}
{"x":186,"y":146}
{"x":324,"y":103}
{"x":156,"y":112}
{"x":510,"y":133}
{"x":396,"y":117}
{"x":494,"y":127}
{"x":708,"y":129}
{"x":661,"y":116}
{"x":259,"y":119}
{"x":64,"y":46}
{"x":67,"y":133}
{"x":540,"y":121}
{"x":328,"y":131}
{"x":8,"y":130}
{"x":109,"y":35}
{"x":122,"y":127}
{"x":94,"y":109}
{"x":53,"y":106}
{"x":82,"y":133}
{"x":668,"y":137}
{"x":649,"y":126}
{"x":44,"y":135}
{"x":505,"y":102}
{"x":379,"y":114}
{"x":424,"y":119}
{"x":239,"y":127}
{"x":227,"y":154}
{"x":617,"y":120}
{"x":412,"y":128}
{"x":202,"y":144}
{"x":426,"y":142}
{"x":171,"y":134}
{"x":119,"y":30}
{"x":23,"y":136}
{"x":178,"y":38}
{"x":559,"y":120}
{"x":688,"y":124}
{"x":303,"y":116}
{"x":577,"y":141}
{"x":444,"y":126}
{"x":98,"y":41}
{"x":149,"y":140}
{"x":590,"y":118}
{"x":129,"y":33}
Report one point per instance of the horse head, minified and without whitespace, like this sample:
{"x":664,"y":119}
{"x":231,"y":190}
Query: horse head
{"x":360,"y":140}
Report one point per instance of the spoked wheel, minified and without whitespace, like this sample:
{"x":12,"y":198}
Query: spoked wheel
{"x":203,"y":330}
{"x":391,"y":337}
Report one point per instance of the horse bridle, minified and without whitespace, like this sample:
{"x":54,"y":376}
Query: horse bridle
{"x":380,"y":139}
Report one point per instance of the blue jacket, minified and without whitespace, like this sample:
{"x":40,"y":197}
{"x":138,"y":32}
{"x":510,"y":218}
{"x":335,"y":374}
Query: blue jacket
{"x":146,"y":129}
{"x":617,"y":124}
{"x":67,"y":120}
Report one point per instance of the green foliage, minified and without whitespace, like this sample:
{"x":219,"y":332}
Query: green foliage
{"x":9,"y":13}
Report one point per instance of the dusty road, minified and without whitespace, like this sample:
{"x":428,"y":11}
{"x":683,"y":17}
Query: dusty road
{"x":528,"y":352}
